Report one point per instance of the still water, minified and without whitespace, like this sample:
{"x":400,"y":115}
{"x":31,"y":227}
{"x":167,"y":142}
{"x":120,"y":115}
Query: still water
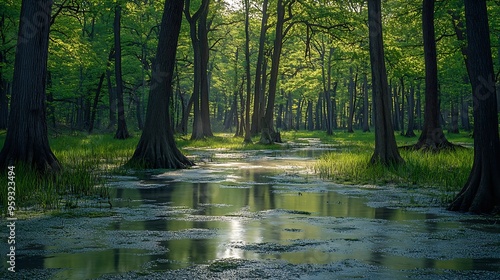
{"x":257,"y":206}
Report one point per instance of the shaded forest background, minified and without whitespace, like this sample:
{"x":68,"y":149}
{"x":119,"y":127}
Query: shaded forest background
{"x":323,"y":80}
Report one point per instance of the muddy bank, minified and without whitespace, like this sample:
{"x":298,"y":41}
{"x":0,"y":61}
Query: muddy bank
{"x":256,"y":214}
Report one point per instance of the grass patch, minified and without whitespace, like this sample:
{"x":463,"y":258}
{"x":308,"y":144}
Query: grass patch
{"x":447,"y":171}
{"x":88,"y":160}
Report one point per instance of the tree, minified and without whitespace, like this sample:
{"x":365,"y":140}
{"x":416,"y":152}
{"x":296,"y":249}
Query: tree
{"x":432,"y":137}
{"x":386,"y":150}
{"x":121,"y":132}
{"x":248,"y":134}
{"x":198,"y":29}
{"x":481,"y":193}
{"x":157,"y":148}
{"x":26,"y":141}
{"x":259,"y":74}
{"x":4,"y":103}
{"x":268,"y":135}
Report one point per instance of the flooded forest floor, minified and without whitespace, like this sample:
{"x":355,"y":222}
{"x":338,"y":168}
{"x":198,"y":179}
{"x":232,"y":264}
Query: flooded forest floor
{"x":256,"y":215}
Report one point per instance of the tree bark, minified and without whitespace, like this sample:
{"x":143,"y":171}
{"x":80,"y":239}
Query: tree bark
{"x":259,"y":75}
{"x":366,"y":113}
{"x":352,"y":99}
{"x":386,"y":151}
{"x":4,"y":102}
{"x":248,"y":133}
{"x":203,"y":28}
{"x":112,"y":101}
{"x":268,"y":135}
{"x":411,"y":112}
{"x":121,"y":132}
{"x":454,"y":119}
{"x":197,"y":31}
{"x":27,"y":141}
{"x":432,"y":137}
{"x":157,"y":148}
{"x":481,"y":193}
{"x":464,"y":114}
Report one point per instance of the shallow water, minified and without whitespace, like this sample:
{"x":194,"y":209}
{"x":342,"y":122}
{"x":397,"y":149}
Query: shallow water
{"x":258,"y":206}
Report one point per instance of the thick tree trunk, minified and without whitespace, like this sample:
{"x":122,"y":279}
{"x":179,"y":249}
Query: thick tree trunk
{"x":268,"y":135}
{"x":121,"y":132}
{"x":200,"y":50}
{"x":26,"y":141}
{"x":386,"y":150}
{"x":203,"y":28}
{"x":259,"y":74}
{"x":432,"y":137}
{"x":481,"y":193}
{"x":157,"y":148}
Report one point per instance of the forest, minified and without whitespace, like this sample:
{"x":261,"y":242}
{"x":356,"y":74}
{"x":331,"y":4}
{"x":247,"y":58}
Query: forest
{"x":185,"y":106}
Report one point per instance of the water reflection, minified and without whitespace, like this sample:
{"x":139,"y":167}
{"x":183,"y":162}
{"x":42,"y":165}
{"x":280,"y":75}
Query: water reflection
{"x":258,"y":208}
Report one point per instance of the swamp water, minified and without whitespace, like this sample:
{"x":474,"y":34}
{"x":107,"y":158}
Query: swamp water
{"x":257,"y":214}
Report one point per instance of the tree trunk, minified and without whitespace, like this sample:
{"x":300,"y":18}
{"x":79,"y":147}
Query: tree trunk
{"x":112,"y":101}
{"x":268,"y":135}
{"x":248,"y":133}
{"x":310,"y":117}
{"x":395,"y":102}
{"x":386,"y":151}
{"x":198,"y":44}
{"x":97,"y":95}
{"x":27,"y":141}
{"x":432,"y":137}
{"x":454,"y":119}
{"x":96,"y":103}
{"x":157,"y":148}
{"x":402,"y":111}
{"x":352,"y":100}
{"x":121,"y":132}
{"x":4,"y":102}
{"x":203,"y":28}
{"x":464,"y":114}
{"x":50,"y":101}
{"x":481,"y":193}
{"x":366,"y":113}
{"x":259,"y":74}
{"x":411,"y":114}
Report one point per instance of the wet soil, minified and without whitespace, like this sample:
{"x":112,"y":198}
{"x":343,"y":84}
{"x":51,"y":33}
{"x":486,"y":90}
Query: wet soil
{"x":256,"y":215}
